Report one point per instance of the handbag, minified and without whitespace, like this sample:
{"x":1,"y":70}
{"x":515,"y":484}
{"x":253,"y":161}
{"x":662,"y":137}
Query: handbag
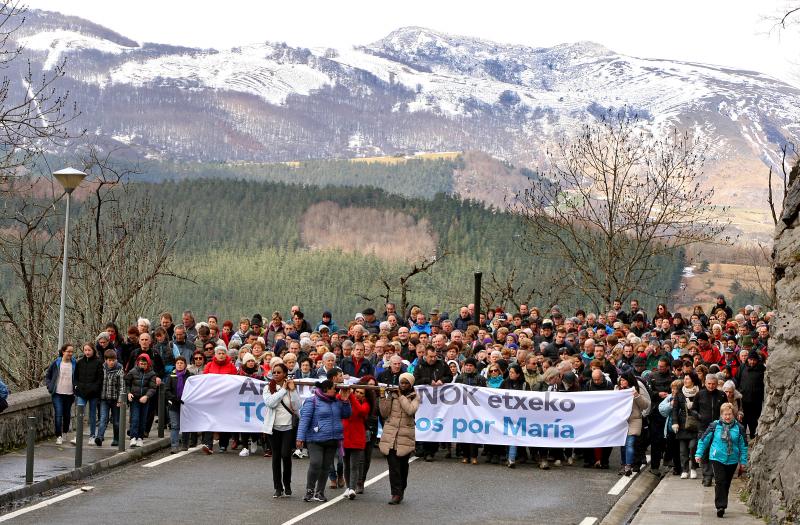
{"x":295,"y":417}
{"x":691,"y":424}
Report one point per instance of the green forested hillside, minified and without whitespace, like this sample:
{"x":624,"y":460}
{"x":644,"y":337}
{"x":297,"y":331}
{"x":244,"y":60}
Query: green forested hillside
{"x":244,"y":250}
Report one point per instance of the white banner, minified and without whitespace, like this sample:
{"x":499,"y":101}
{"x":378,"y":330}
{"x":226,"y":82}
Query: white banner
{"x":457,"y":413}
{"x":451,"y":413}
{"x":227,"y":403}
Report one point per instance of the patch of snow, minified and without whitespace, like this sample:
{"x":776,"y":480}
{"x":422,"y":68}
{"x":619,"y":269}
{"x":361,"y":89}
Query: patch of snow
{"x":688,"y":271}
{"x":61,"y":41}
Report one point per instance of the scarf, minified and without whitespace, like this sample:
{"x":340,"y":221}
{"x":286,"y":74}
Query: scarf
{"x":323,"y":396}
{"x":181,"y":375}
{"x":494,"y":382}
{"x":689,"y":394}
{"x":726,"y":435}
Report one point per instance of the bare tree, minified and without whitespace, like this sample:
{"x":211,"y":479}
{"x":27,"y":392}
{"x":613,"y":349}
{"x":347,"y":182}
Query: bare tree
{"x":123,"y":247}
{"x":614,"y":202}
{"x":511,"y":288}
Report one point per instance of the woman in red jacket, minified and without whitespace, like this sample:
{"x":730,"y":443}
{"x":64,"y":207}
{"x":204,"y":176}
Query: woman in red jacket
{"x":355,"y":440}
{"x":221,"y":364}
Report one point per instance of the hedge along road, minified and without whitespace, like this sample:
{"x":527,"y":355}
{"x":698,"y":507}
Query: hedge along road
{"x":225,"y":488}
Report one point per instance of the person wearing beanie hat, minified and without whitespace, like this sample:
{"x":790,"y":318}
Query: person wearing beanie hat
{"x":398,"y":440}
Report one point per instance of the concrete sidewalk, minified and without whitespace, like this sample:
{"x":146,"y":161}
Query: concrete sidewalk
{"x":55,"y":464}
{"x":687,"y":501}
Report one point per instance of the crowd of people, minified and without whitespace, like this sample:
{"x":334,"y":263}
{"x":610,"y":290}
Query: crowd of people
{"x":697,"y":381}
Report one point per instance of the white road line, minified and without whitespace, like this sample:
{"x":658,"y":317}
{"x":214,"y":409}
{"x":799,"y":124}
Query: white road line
{"x":171,"y":457}
{"x":589,"y":520}
{"x":45,"y":503}
{"x":337,"y":499}
{"x":619,"y":486}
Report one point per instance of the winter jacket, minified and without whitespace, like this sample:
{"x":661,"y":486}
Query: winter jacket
{"x":355,"y":426}
{"x":256,"y":373}
{"x":474,"y":379}
{"x":679,"y":414}
{"x":113,"y":382}
{"x":387,"y":377}
{"x":533,"y":378}
{"x":641,"y":404}
{"x":711,"y":355}
{"x":718,"y":450}
{"x":51,"y":377}
{"x":273,"y":401}
{"x":751,"y":383}
{"x":425,"y":374}
{"x":168,"y":352}
{"x":707,"y":405}
{"x":156,"y":364}
{"x":186,"y":349}
{"x":214,"y":367}
{"x":660,"y":383}
{"x":173,"y":399}
{"x":398,"y":412}
{"x":321,"y":418}
{"x":88,"y":377}
{"x":141,"y":383}
{"x":364,"y":367}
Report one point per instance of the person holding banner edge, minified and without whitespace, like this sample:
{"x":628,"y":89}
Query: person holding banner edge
{"x":398,"y":440}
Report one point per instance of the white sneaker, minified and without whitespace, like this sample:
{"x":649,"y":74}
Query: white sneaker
{"x":59,"y":440}
{"x":693,"y":474}
{"x":253,"y":447}
{"x":298,"y":453}
{"x":684,"y":475}
{"x":133,"y":443}
{"x":570,"y":461}
{"x":74,"y":440}
{"x":305,"y":452}
{"x":140,"y":442}
{"x":244,"y":453}
{"x":557,"y":463}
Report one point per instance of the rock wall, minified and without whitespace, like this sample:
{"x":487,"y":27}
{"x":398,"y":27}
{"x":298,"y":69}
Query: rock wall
{"x":774,"y":486}
{"x":14,"y":421}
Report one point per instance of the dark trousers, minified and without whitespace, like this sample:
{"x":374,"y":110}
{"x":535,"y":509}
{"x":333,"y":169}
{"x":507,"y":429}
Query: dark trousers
{"x":152,"y":410}
{"x":469,"y":450}
{"x":657,"y":440}
{"x":62,"y":407}
{"x":429,"y":448}
{"x":398,"y":473}
{"x":751,"y":412}
{"x":723,"y":475}
{"x":282,"y":446}
{"x":320,"y":459}
{"x":353,"y":465}
{"x":368,"y":456}
{"x":208,"y":439}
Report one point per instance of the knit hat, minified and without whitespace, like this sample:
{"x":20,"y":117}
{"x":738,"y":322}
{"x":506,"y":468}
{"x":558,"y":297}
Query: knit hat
{"x":408,"y":377}
{"x":257,"y":320}
{"x":754,"y":355}
{"x":746,"y":341}
{"x":103,"y":335}
{"x":248,"y":357}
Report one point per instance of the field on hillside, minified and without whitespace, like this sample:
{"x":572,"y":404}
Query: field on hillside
{"x":740,"y":283}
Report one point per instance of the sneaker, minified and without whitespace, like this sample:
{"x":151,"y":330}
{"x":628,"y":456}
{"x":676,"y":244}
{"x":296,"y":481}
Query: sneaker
{"x":628,"y":471}
{"x":319,"y":497}
{"x":511,"y":464}
{"x":544,"y":465}
{"x":207,"y":450}
{"x":277,"y":493}
{"x":98,"y":442}
{"x":287,"y":491}
{"x":309,"y":496}
{"x":693,"y":474}
{"x":570,"y":461}
{"x":352,"y":494}
{"x":173,"y":450}
{"x":684,"y":475}
{"x":305,"y":452}
{"x":222,"y":450}
{"x":59,"y":440}
{"x":74,"y":440}
{"x":133,"y":443}
{"x":253,"y":447}
{"x":298,"y":454}
{"x":244,"y":453}
{"x":557,"y":463}
{"x":140,"y":442}
{"x":720,"y":513}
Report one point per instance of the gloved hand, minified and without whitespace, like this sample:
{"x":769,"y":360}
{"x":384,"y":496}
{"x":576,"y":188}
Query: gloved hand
{"x":675,"y":427}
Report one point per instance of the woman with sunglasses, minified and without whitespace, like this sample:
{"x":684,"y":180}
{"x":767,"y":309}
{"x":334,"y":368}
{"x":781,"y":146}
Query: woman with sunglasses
{"x":197,"y":364}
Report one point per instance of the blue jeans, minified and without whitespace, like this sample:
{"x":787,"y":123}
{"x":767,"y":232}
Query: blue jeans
{"x":62,"y":407}
{"x":108,"y":406}
{"x":138,"y":419}
{"x":626,"y":452}
{"x":81,"y":402}
{"x":512,"y":453}
{"x":175,"y":429}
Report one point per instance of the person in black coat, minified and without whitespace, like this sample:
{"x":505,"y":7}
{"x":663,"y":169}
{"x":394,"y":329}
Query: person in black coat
{"x":751,"y":385}
{"x":174,"y":391}
{"x":707,"y":404}
{"x":88,"y":383}
{"x":431,"y":371}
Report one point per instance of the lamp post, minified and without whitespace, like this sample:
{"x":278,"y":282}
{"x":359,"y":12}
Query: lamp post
{"x":70,"y":179}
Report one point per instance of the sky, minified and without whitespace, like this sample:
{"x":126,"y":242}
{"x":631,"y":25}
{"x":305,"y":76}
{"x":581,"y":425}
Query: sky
{"x":733,"y":33}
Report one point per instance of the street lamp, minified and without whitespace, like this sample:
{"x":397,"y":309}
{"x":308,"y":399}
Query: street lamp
{"x":70,"y":179}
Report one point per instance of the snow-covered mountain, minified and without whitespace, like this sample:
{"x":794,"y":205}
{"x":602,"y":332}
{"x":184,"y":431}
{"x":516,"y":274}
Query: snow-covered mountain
{"x":414,"y":90}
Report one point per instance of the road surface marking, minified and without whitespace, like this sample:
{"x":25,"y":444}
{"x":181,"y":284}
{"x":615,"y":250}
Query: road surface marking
{"x":45,"y":503}
{"x":619,"y":486}
{"x":337,"y":499}
{"x":171,"y":457}
{"x":589,"y":520}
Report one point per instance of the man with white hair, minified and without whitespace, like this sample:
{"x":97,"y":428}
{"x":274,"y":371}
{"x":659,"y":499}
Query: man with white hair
{"x":391,"y":375}
{"x":328,"y":364}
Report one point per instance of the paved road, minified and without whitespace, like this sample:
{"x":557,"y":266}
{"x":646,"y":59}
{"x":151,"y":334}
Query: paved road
{"x":225,"y":488}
